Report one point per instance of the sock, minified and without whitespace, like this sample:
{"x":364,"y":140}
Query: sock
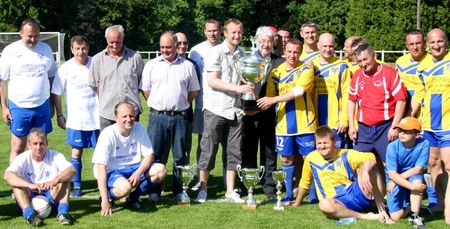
{"x":414,"y":214}
{"x":289,"y":180}
{"x":111,"y":195}
{"x":77,"y":164}
{"x":154,"y":187}
{"x":432,"y":197}
{"x":63,"y":208}
{"x":28,"y":212}
{"x":142,"y":188}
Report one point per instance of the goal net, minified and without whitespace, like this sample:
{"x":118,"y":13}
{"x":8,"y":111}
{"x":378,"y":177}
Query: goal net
{"x":54,"y":39}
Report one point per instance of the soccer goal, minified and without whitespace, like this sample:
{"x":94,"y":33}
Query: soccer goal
{"x":54,"y":39}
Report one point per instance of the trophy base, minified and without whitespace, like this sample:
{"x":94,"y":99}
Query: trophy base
{"x":249,"y":207}
{"x":249,"y":105}
{"x":277,"y":208}
{"x":184,"y":203}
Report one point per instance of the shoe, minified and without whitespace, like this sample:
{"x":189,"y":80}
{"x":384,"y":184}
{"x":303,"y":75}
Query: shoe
{"x":416,"y":222}
{"x":154,"y":197}
{"x":271,"y":197}
{"x":287,"y":201}
{"x":137,"y":204}
{"x":234,"y":197}
{"x":196,"y":187}
{"x":64,"y":219}
{"x":76,"y":192}
{"x":35,"y":221}
{"x":201,"y":196}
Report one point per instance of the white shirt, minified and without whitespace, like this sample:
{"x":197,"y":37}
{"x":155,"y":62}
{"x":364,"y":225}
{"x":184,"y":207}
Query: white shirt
{"x":28,"y":71}
{"x":72,"y":78}
{"x":169,"y":83}
{"x":38,"y":172}
{"x":225,"y":104}
{"x":117,"y":152}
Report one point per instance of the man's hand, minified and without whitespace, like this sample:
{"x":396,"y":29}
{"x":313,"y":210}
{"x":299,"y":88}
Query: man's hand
{"x":390,"y":186}
{"x":265,"y":102}
{"x":61,"y":120}
{"x":134,"y":179}
{"x":341,"y":129}
{"x":352,"y":133}
{"x":106,"y":207}
{"x":296,"y":203}
{"x":6,"y":115}
{"x":418,"y":187}
{"x":365,"y":183}
{"x":35,"y":188}
{"x":392,"y":134}
{"x":243,"y":89}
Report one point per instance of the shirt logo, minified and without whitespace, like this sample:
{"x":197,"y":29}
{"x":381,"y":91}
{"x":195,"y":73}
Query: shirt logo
{"x":361,"y":85}
{"x":29,"y":174}
{"x":377,"y":83}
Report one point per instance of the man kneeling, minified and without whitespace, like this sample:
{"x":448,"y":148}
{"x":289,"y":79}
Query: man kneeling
{"x":345,"y":180}
{"x":40,"y":171}
{"x":118,"y":164}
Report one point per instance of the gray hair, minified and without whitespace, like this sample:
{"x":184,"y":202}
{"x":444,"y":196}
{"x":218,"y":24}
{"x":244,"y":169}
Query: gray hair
{"x":172,"y":34}
{"x":264,"y":30}
{"x":118,"y":28}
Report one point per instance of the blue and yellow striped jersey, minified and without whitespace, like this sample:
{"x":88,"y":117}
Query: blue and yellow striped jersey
{"x":296,"y":116}
{"x":435,"y":95}
{"x":351,"y":66}
{"x":406,"y":67}
{"x":331,"y":81}
{"x":308,"y":55}
{"x":331,"y":177}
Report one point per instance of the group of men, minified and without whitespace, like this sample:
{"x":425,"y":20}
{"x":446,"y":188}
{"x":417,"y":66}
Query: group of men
{"x":358,"y":103}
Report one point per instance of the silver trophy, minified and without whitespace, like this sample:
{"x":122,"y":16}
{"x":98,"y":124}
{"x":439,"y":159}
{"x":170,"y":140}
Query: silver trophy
{"x":251,"y":69}
{"x":185,"y":173}
{"x":279,"y":177}
{"x":250,"y":178}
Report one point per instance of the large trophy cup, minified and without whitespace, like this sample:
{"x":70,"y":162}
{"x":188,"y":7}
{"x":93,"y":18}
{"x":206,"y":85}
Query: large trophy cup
{"x":250,"y":178}
{"x":279,"y":177}
{"x":185,"y":173}
{"x":251,"y":69}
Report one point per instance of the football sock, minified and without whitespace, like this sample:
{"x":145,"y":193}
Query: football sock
{"x":63,"y":208}
{"x":28,"y":212}
{"x":288,"y":181}
{"x":432,"y":197}
{"x":78,"y":167}
{"x":142,"y":188}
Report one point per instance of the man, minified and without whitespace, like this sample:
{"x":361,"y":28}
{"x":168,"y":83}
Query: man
{"x":346,"y":180}
{"x":222,"y":113}
{"x":380,"y":95}
{"x":29,"y":66}
{"x":116,"y":67}
{"x":169,"y":84}
{"x":331,"y":81}
{"x":283,"y":36}
{"x":435,"y":113}
{"x":117,"y":161}
{"x":81,"y":105}
{"x":41,"y":171}
{"x":199,"y":54}
{"x":259,"y":126}
{"x":290,"y":86}
{"x":309,"y":31}
{"x":406,"y":67}
{"x":350,"y":45}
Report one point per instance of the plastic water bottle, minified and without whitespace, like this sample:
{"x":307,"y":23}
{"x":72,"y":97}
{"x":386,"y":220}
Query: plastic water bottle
{"x":348,"y":220}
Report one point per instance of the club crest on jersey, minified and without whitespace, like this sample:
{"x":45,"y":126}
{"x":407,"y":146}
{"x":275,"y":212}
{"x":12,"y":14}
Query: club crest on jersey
{"x":361,"y":85}
{"x":377,"y":83}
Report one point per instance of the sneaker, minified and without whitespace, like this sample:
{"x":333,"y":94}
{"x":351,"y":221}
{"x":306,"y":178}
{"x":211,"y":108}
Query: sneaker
{"x":35,"y":221}
{"x":64,"y":219}
{"x":201,"y":196}
{"x":196,"y":187}
{"x":234,"y":197}
{"x":76,"y":192}
{"x":416,"y":221}
{"x":137,"y":204}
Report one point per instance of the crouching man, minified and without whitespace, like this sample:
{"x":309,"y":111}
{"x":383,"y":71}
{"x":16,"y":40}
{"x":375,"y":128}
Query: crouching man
{"x":118,"y":164}
{"x":345,"y":180}
{"x":41,"y":171}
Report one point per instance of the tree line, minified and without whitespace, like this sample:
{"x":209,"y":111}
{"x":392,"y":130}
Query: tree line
{"x":382,"y":23}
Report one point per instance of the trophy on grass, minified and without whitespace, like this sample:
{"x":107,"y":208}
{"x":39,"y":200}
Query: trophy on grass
{"x":279,"y":177}
{"x":185,"y":173}
{"x":251,"y":69}
{"x":250,"y":178}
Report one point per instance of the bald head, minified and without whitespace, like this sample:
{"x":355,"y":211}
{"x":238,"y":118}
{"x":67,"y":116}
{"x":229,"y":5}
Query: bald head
{"x":326,"y":46}
{"x":182,"y":45}
{"x":348,"y":44}
{"x":437,"y":43}
{"x":168,"y":45}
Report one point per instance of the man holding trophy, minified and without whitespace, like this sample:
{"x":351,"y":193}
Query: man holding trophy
{"x":222,"y":112}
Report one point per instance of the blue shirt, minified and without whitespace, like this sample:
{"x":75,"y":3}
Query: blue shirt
{"x":400,"y":159}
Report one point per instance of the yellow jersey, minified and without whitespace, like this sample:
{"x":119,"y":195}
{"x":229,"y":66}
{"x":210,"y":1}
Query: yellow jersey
{"x":308,"y":55}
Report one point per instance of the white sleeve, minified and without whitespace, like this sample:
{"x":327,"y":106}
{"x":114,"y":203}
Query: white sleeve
{"x":59,"y":81}
{"x":4,"y":64}
{"x":101,"y":150}
{"x":16,"y":165}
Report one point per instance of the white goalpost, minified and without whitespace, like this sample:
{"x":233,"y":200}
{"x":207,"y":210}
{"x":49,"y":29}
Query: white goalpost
{"x":54,"y":39}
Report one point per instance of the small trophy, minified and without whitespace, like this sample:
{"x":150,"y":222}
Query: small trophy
{"x":251,"y":69}
{"x":250,"y":178}
{"x":185,"y":173}
{"x":279,"y":177}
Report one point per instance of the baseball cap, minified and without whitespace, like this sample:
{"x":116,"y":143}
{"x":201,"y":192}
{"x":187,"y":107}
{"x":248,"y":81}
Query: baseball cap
{"x":409,"y":123}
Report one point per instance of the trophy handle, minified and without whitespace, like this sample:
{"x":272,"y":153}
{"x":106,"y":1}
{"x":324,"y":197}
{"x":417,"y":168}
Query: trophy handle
{"x":261,"y":171}
{"x":193,"y":169}
{"x":238,"y":170}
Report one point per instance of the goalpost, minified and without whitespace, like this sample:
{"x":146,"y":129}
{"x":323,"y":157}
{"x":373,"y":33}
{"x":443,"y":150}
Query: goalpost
{"x":54,"y":39}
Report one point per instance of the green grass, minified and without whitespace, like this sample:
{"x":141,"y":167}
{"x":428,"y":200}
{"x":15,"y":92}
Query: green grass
{"x":167,"y":214}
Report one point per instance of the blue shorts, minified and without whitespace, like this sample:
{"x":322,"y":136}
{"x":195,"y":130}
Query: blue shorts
{"x":23,"y":119}
{"x":48,"y":195}
{"x":373,"y":138}
{"x":302,"y":144}
{"x":399,"y":197}
{"x":353,"y":198}
{"x":439,"y":139}
{"x":81,"y":138}
{"x":125,"y":173}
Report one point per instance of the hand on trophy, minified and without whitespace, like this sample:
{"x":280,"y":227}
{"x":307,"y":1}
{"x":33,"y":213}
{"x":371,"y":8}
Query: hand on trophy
{"x":265,"y":102}
{"x":243,"y":89}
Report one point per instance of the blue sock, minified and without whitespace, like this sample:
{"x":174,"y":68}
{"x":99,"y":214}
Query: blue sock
{"x":28,"y":212}
{"x":432,"y":197}
{"x":111,"y":195}
{"x":63,"y":208}
{"x":142,"y":188}
{"x":289,"y":180}
{"x":77,"y":164}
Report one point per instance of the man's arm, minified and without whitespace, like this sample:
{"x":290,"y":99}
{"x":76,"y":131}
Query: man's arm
{"x":300,"y":196}
{"x":146,"y":94}
{"x":135,"y":178}
{"x":63,"y":176}
{"x":59,"y":112}
{"x":366,"y":185}
{"x":399,"y":110}
{"x":415,"y":107}
{"x":103,"y":189}
{"x":216,"y":83}
{"x":402,"y":181}
{"x":16,"y":181}
{"x":352,"y":132}
{"x":5,"y":111}
{"x":192,"y":95}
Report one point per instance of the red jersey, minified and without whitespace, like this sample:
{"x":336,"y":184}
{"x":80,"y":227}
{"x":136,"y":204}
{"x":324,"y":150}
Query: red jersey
{"x":376,"y":95}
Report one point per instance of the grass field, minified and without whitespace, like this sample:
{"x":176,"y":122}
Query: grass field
{"x":167,"y":214}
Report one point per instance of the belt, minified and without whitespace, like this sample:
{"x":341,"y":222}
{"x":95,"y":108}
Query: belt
{"x":169,"y":113}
